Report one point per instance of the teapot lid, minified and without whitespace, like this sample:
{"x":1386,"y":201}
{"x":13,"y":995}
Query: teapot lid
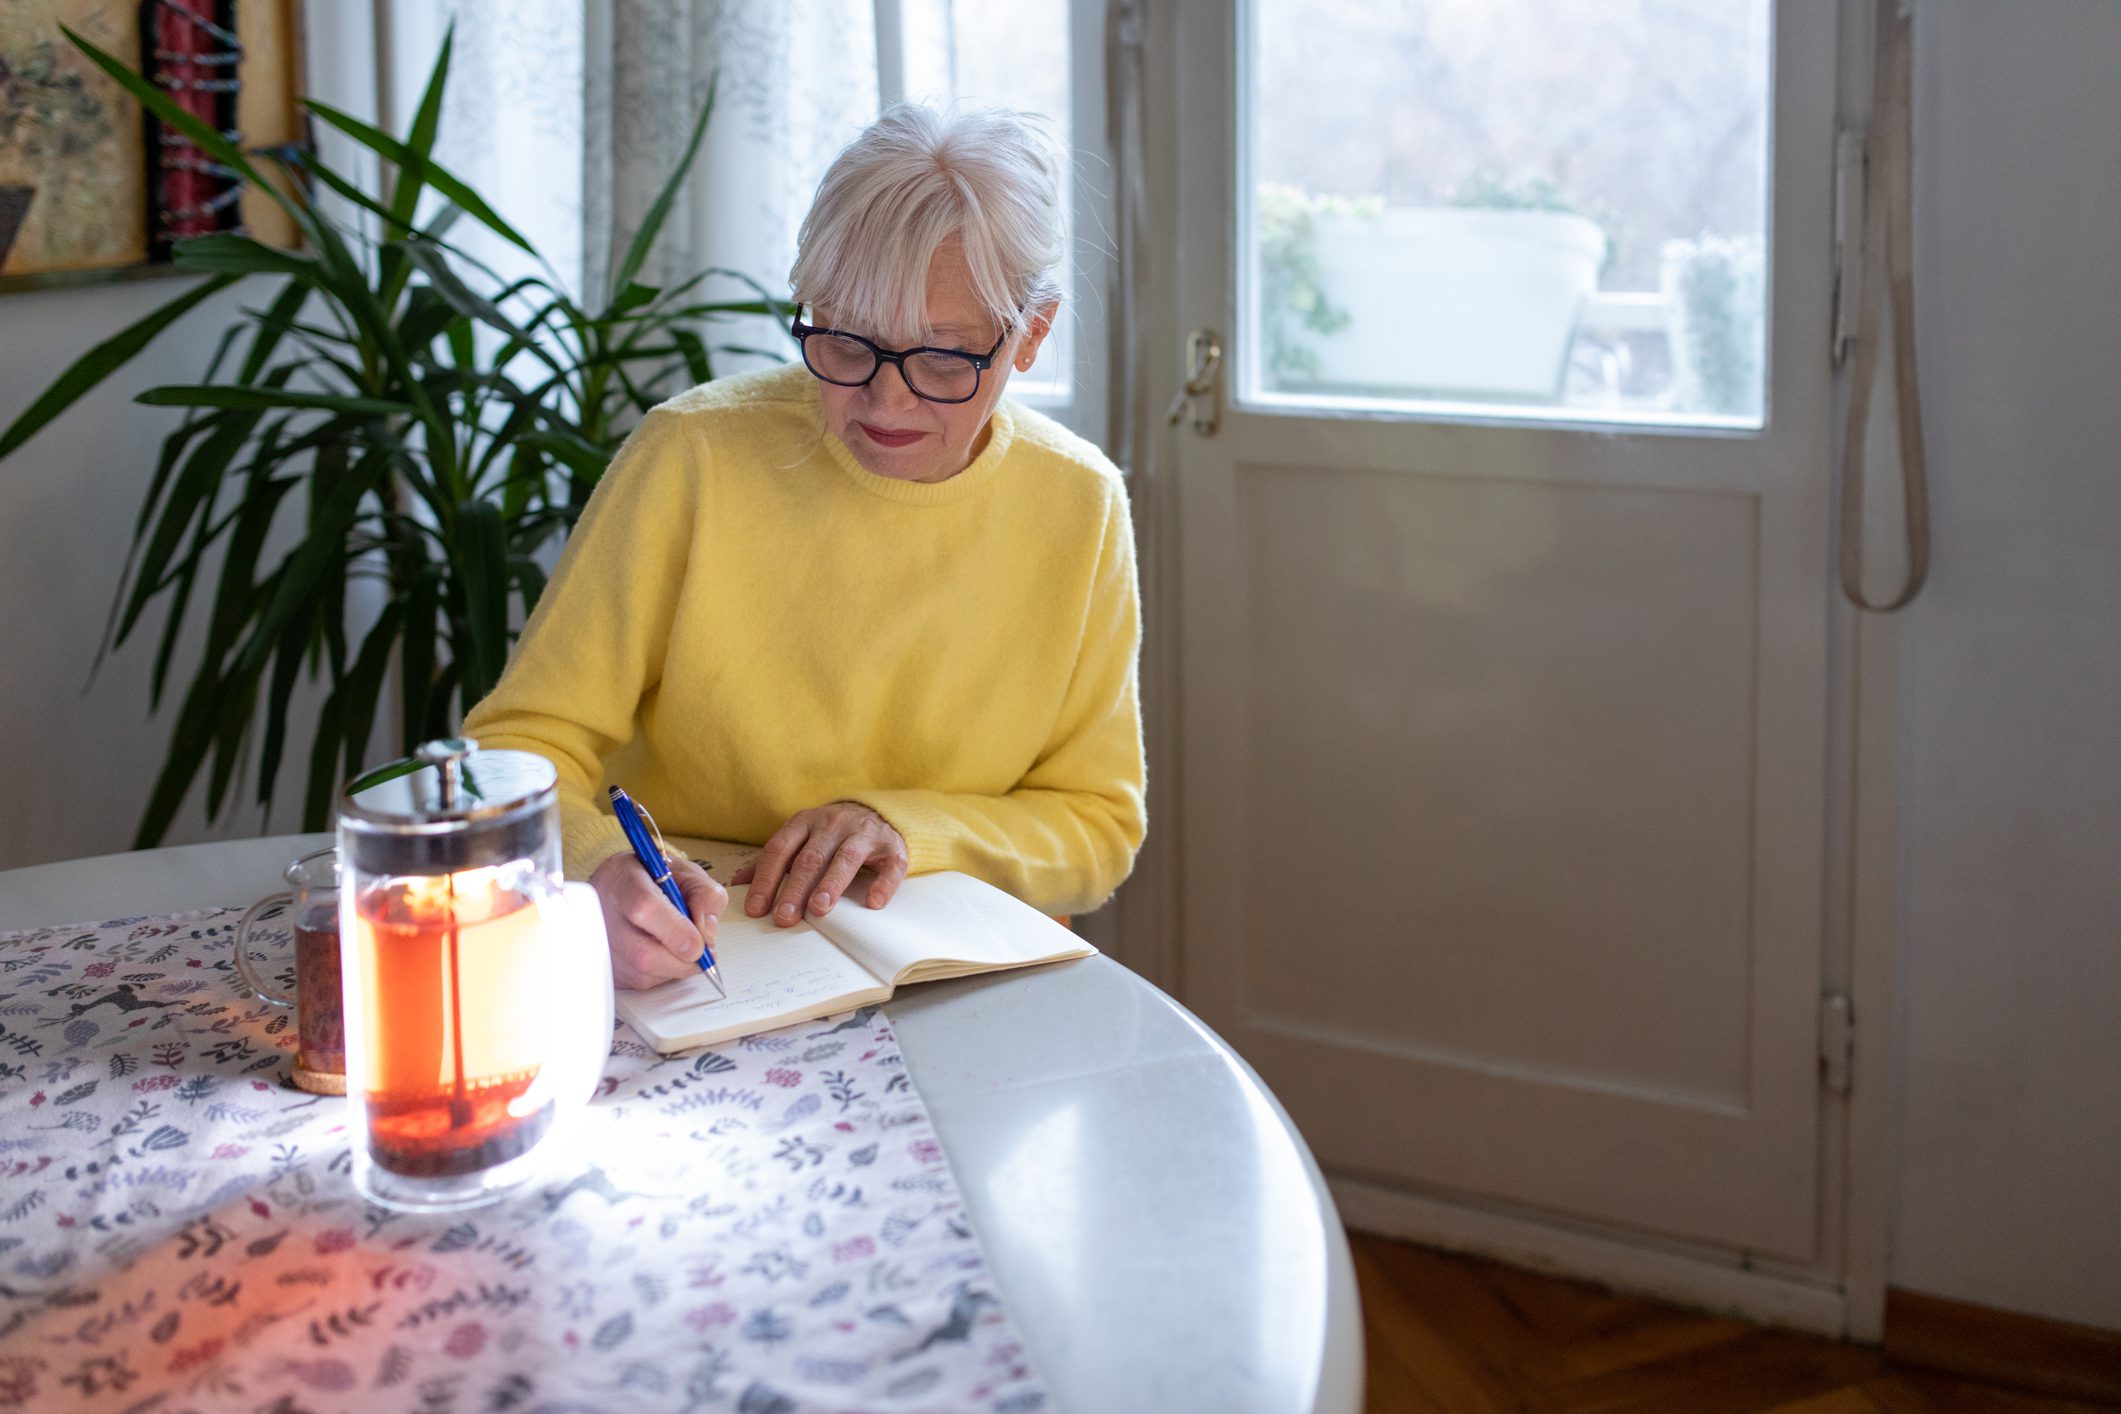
{"x":450,"y":805}
{"x":450,"y":780}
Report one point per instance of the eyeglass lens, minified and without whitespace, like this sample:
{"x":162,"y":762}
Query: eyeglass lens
{"x":941,"y":377}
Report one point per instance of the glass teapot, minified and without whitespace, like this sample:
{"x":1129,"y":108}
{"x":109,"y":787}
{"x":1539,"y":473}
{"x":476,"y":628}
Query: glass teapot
{"x":478,"y":984}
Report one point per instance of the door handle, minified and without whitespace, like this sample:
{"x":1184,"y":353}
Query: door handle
{"x":1204,"y":362}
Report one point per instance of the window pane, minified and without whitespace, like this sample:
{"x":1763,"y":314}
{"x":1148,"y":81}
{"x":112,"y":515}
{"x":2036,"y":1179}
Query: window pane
{"x":1549,"y":206}
{"x":1009,"y":56}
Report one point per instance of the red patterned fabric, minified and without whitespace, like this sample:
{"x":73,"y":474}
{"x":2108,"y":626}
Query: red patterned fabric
{"x":194,"y":61}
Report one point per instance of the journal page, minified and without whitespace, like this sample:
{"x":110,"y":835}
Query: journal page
{"x":774,"y":975}
{"x":947,"y":925}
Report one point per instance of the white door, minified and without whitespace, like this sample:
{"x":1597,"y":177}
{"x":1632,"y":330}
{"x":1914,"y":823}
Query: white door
{"x":1503,"y":592}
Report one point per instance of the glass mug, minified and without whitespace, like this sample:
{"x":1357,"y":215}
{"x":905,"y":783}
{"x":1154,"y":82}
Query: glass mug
{"x":479,"y":1005}
{"x":312,"y":898}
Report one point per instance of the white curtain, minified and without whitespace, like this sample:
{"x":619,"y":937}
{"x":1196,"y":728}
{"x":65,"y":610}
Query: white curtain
{"x":793,"y":83}
{"x":569,"y":115}
{"x":512,"y":122}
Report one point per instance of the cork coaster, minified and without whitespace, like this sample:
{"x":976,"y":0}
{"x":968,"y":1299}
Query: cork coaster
{"x":319,"y":1082}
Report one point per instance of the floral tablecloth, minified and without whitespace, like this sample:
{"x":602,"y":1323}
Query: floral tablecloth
{"x":765,"y":1227}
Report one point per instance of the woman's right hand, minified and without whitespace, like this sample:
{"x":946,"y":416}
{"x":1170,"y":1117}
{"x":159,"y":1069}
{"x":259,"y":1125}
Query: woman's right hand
{"x":650,"y":943}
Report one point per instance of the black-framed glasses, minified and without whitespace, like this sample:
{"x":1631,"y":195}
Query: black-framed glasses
{"x":936,"y":375}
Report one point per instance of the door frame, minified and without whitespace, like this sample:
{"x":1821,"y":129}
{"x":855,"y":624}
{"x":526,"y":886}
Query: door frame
{"x":1844,"y":1295}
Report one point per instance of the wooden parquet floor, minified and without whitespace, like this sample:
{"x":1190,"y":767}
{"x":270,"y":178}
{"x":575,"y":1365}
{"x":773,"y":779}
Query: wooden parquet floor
{"x":1463,"y":1336}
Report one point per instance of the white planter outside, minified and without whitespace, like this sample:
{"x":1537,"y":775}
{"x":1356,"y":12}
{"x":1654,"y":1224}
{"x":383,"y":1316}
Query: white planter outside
{"x":1452,"y":301}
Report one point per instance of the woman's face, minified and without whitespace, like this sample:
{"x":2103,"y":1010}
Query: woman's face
{"x":893,"y":433}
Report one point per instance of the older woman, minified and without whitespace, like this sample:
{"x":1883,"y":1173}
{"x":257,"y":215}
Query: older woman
{"x":861,"y":610}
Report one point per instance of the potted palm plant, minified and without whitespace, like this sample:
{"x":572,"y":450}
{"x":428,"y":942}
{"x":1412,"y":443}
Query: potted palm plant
{"x":432,"y":425}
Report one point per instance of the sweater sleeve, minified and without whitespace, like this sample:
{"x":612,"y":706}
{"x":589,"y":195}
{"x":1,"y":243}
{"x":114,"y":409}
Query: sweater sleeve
{"x":596,"y":641}
{"x":1066,"y":835}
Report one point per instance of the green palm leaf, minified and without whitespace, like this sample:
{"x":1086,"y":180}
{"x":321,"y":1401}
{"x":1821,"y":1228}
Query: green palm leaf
{"x":659,"y":210}
{"x":432,"y":173}
{"x":103,"y":360}
{"x":363,"y":426}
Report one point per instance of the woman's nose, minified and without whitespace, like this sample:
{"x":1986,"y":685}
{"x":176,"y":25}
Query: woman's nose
{"x":890,"y":387}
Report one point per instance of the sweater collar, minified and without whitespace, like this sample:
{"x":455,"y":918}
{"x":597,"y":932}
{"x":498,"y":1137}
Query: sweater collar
{"x":1001,"y":432}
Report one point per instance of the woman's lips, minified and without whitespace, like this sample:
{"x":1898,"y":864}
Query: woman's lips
{"x":885,"y":438}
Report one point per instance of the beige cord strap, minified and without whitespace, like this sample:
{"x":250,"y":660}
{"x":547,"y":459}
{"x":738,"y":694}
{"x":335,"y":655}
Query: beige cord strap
{"x":1124,"y":23}
{"x":1888,"y":254}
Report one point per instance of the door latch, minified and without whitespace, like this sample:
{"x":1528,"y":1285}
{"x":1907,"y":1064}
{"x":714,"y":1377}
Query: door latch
{"x":1837,"y":1042}
{"x":1204,"y":362}
{"x":1850,"y":161}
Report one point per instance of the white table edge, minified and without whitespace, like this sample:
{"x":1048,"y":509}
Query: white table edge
{"x":188,"y":877}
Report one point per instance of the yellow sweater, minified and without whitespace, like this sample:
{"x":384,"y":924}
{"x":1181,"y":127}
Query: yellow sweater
{"x":746,"y":623}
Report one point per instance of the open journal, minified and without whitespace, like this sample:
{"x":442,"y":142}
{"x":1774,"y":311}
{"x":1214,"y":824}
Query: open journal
{"x":936,"y":926}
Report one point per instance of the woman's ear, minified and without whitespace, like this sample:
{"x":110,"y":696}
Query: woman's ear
{"x":1037,"y":326}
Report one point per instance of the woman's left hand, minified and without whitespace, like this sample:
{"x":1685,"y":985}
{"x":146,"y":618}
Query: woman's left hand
{"x":812,"y":859}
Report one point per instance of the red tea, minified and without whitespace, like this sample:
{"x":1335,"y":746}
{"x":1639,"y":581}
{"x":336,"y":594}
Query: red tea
{"x":453,"y":985}
{"x":322,"y":1023}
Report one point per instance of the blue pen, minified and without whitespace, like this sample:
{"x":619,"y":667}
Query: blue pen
{"x":648,"y":849}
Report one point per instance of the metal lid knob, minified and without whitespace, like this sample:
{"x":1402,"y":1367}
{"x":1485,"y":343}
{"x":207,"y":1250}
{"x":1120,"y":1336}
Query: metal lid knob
{"x":450,"y":805}
{"x":447,"y":757}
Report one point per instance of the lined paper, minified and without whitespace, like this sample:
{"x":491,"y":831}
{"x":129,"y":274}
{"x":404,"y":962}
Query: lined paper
{"x":775,"y":975}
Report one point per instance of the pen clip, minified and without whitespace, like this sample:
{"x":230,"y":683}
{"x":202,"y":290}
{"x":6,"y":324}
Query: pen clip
{"x":657,"y":831}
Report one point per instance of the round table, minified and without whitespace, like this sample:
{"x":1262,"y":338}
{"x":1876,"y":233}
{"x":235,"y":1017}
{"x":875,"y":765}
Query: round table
{"x":1160,"y":1234}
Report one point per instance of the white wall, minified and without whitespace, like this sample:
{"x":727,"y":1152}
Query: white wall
{"x":2008,"y":1183}
{"x":76,"y":768}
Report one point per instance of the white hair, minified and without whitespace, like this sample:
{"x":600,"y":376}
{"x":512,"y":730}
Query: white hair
{"x":914,"y":179}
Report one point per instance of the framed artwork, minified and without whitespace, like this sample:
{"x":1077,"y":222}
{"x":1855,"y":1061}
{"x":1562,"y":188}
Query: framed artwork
{"x":91,"y":188}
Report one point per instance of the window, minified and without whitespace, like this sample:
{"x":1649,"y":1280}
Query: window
{"x":796,"y":83}
{"x":1013,"y":56}
{"x":1532,"y":207}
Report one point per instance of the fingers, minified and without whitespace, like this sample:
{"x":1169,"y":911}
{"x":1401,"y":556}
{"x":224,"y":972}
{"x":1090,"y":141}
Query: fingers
{"x":651,"y":942}
{"x":660,"y":944}
{"x":812,"y":860}
{"x":772,"y":863}
{"x":804,"y":871}
{"x":890,"y":872}
{"x":847,"y":860}
{"x":703,"y":896}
